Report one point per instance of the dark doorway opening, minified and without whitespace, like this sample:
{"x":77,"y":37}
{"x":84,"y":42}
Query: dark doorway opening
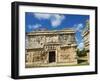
{"x":51,"y":56}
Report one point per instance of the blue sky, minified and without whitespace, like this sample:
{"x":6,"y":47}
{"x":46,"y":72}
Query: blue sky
{"x":34,"y":21}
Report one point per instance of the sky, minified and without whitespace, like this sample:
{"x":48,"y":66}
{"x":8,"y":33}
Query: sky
{"x":56,"y":21}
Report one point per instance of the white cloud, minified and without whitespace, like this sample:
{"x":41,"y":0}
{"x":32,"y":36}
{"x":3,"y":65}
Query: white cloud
{"x":55,"y":19}
{"x":42,"y":16}
{"x":37,"y":26}
{"x":81,"y":45}
{"x":76,"y":39}
{"x":78,"y":27}
{"x":34,"y":26}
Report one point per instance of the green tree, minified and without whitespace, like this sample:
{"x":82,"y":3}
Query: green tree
{"x":81,"y":53}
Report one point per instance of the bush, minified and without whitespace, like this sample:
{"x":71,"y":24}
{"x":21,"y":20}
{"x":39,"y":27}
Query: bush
{"x":81,"y":53}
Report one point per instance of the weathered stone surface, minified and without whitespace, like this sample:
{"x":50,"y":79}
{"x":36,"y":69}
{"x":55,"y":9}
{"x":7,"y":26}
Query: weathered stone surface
{"x":46,"y":47}
{"x":86,"y":39}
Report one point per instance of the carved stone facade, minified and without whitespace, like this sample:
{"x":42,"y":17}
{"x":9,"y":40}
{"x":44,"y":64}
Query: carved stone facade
{"x":86,"y":38}
{"x":50,"y":47}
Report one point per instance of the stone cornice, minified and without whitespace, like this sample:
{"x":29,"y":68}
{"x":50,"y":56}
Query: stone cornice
{"x":53,"y":32}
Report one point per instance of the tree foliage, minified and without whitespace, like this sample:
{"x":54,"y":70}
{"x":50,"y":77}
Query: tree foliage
{"x":81,"y":53}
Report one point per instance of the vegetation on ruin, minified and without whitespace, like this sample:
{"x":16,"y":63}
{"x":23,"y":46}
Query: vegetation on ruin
{"x":81,"y":53}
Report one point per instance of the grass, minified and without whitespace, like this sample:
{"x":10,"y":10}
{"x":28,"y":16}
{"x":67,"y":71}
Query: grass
{"x":34,"y":66}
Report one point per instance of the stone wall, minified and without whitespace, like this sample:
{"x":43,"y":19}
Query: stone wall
{"x":39,"y":46}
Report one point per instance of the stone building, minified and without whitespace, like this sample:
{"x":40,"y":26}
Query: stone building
{"x":45,"y":48}
{"x":86,"y":38}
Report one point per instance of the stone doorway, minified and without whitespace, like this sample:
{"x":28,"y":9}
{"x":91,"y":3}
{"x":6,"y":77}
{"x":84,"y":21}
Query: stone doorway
{"x":52,"y":56}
